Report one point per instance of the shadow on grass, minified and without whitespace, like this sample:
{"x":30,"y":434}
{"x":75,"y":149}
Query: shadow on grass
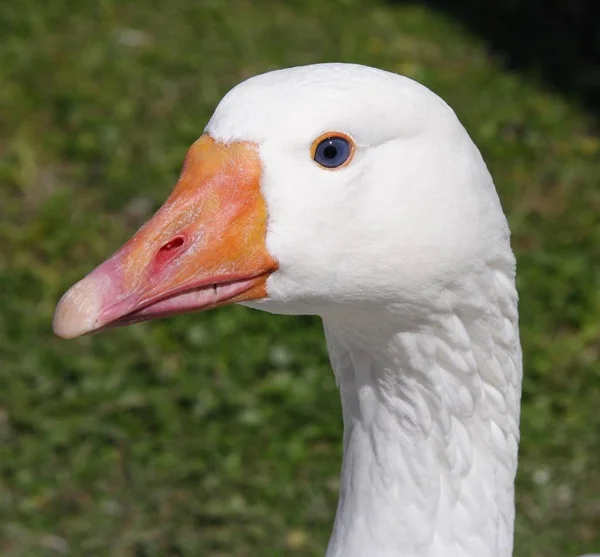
{"x":557,"y":39}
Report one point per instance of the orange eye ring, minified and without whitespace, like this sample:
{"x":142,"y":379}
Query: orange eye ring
{"x":332,"y":135}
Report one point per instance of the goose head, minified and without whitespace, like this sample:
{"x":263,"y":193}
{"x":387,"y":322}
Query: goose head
{"x":312,"y":189}
{"x":354,"y":194}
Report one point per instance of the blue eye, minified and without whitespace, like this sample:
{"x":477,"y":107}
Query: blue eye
{"x":333,"y":151}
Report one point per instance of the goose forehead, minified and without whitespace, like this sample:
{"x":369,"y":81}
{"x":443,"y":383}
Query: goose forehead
{"x":300,"y":103}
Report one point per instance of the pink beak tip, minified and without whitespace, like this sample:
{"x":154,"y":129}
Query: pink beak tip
{"x":78,"y":310}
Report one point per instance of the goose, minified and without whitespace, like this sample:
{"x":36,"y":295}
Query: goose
{"x":356,"y":195}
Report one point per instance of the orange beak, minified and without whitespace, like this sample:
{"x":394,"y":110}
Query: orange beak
{"x":205,"y":247}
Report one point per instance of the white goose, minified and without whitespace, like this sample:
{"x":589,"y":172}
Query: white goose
{"x":355,"y":194}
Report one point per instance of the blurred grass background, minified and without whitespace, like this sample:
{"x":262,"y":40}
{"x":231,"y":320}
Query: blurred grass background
{"x":219,"y":434}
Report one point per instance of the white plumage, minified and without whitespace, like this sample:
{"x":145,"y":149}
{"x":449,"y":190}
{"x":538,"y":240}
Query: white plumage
{"x":406,"y":257}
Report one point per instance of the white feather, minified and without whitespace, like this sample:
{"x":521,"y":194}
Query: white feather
{"x":405,"y":254}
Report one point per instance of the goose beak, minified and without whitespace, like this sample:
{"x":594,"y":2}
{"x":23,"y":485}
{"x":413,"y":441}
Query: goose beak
{"x":205,"y":247}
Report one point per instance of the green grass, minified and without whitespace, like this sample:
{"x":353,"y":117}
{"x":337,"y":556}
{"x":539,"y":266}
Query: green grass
{"x":219,"y":434}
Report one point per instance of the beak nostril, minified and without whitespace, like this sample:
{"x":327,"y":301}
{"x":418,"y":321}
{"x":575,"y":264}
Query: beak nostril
{"x":169,"y":250}
{"x":173,"y":244}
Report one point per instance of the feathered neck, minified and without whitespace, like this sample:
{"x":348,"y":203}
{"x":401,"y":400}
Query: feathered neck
{"x":431,"y":411}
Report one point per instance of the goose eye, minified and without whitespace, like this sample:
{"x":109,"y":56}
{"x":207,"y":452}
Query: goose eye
{"x":333,"y":151}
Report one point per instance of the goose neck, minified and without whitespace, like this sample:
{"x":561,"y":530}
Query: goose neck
{"x":431,"y":432}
